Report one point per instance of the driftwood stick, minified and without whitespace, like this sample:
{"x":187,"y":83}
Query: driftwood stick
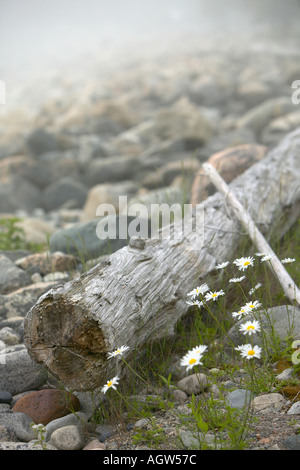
{"x":289,"y":287}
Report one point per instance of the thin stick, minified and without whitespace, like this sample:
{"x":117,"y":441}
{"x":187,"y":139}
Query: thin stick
{"x":289,"y":287}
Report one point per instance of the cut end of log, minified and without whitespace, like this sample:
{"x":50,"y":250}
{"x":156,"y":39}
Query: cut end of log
{"x":71,"y":347}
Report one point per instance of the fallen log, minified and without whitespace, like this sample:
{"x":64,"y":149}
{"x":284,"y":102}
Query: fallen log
{"x":138,"y":294}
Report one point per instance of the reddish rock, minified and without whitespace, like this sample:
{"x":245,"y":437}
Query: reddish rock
{"x":48,"y":262}
{"x":95,"y":445}
{"x":230,"y":163}
{"x":46,"y":405}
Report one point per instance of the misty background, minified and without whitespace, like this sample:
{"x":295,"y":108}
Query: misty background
{"x":38,"y":33}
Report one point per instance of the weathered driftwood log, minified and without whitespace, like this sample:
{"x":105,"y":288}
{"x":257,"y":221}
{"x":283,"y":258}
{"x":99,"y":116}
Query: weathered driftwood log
{"x":138,"y":294}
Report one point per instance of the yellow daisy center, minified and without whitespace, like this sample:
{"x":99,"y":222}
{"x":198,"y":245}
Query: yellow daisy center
{"x":246,"y":263}
{"x":109,"y":384}
{"x":252,"y":306}
{"x":251,"y":352}
{"x":192,"y":361}
{"x":214,"y":295}
{"x":250,"y":327}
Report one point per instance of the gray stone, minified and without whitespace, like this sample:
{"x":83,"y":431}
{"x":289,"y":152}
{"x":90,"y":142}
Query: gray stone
{"x":17,"y":303}
{"x":32,"y":445}
{"x":89,"y":401}
{"x":9,"y":336}
{"x":18,"y":194}
{"x":56,"y":276}
{"x":7,"y":433}
{"x":105,"y":431}
{"x":197,"y":441}
{"x":11,"y":277}
{"x":268,"y":403}
{"x":259,"y":117}
{"x":282,"y":318}
{"x":183,"y":120}
{"x":81,"y":239}
{"x":179,"y":396}
{"x":68,"y":438}
{"x":41,"y":141}
{"x":239,"y":398}
{"x":36,"y":230}
{"x":278,"y":128}
{"x":19,"y":423}
{"x":74,"y":419}
{"x":111,"y":170}
{"x":286,"y":374}
{"x":193,"y":384}
{"x":292,"y":442}
{"x":294,"y":409}
{"x":5,"y":397}
{"x":61,"y":191}
{"x":20,"y":373}
{"x":141,"y":423}
{"x":106,"y":194}
{"x":4,"y":407}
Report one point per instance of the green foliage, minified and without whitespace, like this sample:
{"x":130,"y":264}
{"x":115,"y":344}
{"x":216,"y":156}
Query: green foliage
{"x":12,"y":236}
{"x":152,"y":437}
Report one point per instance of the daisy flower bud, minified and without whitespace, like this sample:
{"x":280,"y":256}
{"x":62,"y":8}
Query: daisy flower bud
{"x":222,"y":265}
{"x":237,"y":279}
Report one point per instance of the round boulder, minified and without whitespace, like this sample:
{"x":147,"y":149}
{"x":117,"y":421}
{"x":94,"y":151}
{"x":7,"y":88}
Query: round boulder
{"x":46,"y":405}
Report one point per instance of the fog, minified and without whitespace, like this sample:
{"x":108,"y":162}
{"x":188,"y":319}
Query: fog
{"x":38,"y":32}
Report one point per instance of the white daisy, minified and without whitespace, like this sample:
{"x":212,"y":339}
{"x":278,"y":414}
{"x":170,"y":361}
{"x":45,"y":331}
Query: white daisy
{"x":266,"y":258}
{"x":260,"y":254}
{"x":288,"y":260}
{"x":199,"y":349}
{"x":118,"y":352}
{"x":110,"y":384}
{"x":222,"y":265}
{"x":250,"y":327}
{"x":193,"y":357}
{"x":244,"y":263}
{"x":196,"y":303}
{"x":237,"y":279}
{"x":198,"y":291}
{"x":249,"y":351}
{"x":214,"y":295}
{"x":251,"y":291}
{"x":243,"y":311}
{"x":252,"y":305}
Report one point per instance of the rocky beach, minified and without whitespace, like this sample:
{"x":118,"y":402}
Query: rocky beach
{"x":137,"y":123}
